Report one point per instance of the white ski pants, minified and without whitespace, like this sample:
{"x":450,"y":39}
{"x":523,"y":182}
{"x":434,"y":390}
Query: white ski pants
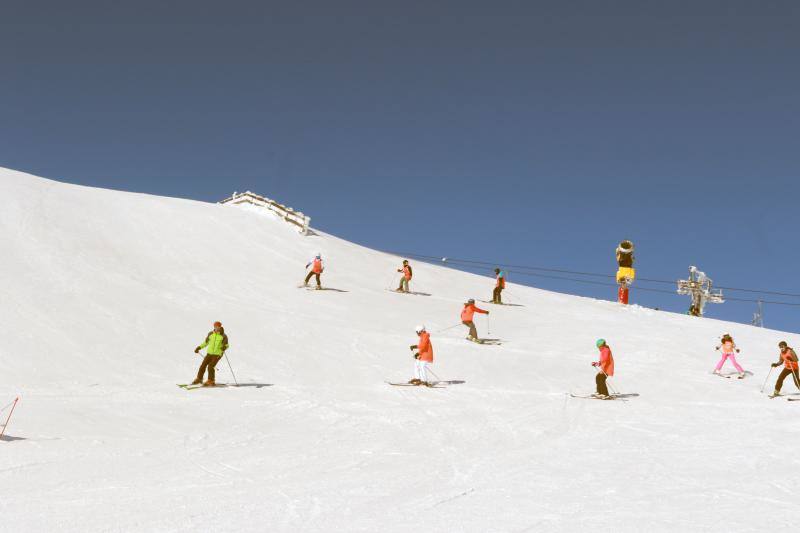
{"x":421,"y":370}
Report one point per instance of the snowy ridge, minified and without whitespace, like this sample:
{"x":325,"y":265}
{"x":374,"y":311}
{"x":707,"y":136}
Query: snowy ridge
{"x":106,"y":294}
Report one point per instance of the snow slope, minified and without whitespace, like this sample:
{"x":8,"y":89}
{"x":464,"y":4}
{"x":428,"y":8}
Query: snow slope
{"x":105,"y":295}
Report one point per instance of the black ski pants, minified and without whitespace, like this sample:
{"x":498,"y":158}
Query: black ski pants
{"x":786,"y":372}
{"x":210,"y":362}
{"x":309,"y":277}
{"x":600,"y":379}
{"x":496,"y":295}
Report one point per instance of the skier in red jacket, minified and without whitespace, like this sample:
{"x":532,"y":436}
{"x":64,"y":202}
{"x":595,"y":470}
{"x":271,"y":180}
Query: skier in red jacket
{"x":466,"y":318}
{"x":606,"y":367}
{"x":790,"y":367}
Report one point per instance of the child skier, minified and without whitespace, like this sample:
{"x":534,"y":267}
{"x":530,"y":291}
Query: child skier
{"x":500,"y":276}
{"x":217,"y":342}
{"x":789,"y":360}
{"x":423,"y":357}
{"x":466,"y":318}
{"x":606,"y":367}
{"x":317,"y":267}
{"x":407,"y":273}
{"x":728,"y":348}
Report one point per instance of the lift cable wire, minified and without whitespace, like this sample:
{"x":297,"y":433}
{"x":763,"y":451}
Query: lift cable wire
{"x":477,"y":264}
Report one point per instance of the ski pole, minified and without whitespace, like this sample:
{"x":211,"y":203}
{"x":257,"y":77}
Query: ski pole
{"x":3,"y":432}
{"x":767,"y":378}
{"x":229,"y":366}
{"x":488,"y":325}
{"x":434,"y":374}
{"x":445,"y":329}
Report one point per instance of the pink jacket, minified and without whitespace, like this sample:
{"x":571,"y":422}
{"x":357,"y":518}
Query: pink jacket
{"x":606,"y":360}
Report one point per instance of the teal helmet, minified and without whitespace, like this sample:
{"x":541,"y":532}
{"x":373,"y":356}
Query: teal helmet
{"x":600,"y":342}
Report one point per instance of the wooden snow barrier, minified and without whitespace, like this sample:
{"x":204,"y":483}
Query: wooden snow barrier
{"x":288,"y":214}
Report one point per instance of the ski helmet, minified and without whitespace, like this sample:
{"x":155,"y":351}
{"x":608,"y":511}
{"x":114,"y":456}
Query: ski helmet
{"x":405,"y":261}
{"x":471,"y":301}
{"x":600,"y":342}
{"x":496,"y":270}
{"x":217,"y":324}
{"x":319,"y":255}
{"x":782,"y":344}
{"x":420,"y":328}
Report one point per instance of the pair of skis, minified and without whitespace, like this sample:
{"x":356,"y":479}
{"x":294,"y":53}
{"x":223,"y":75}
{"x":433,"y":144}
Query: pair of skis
{"x":189,"y":386}
{"x":594,"y":396}
{"x":431,"y":385}
{"x":490,"y":342}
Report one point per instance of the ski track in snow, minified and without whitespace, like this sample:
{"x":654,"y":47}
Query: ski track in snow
{"x":112,"y":291}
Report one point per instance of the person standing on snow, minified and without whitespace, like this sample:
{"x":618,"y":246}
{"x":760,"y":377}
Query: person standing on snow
{"x":407,"y":274}
{"x":467,"y":313}
{"x":423,"y":357}
{"x":606,"y":367}
{"x":217,"y":343}
{"x":789,"y":360}
{"x":728,"y":349}
{"x":317,"y":267}
{"x":500,"y":276}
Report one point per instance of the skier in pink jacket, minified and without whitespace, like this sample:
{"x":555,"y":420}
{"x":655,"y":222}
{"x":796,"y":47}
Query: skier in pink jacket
{"x":728,"y":349}
{"x":606,"y":367}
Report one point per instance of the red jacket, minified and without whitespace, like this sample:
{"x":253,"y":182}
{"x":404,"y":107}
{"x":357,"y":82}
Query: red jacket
{"x":789,"y":359}
{"x":425,"y":348}
{"x":501,"y":281}
{"x":316,"y":267}
{"x":606,"y":360}
{"x":406,"y":272}
{"x":469,"y":311}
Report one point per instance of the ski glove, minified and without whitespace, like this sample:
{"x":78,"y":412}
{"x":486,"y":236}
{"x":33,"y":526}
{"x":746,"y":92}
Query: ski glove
{"x":413,"y":347}
{"x":416,"y":355}
{"x":775,"y":364}
{"x":197,"y":350}
{"x":595,"y":363}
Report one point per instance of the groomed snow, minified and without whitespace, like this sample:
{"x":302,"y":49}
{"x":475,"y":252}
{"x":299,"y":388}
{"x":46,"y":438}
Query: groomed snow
{"x":105,"y":295}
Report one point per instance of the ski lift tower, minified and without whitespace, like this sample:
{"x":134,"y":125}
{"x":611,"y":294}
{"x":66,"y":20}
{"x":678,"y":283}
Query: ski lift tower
{"x":758,"y":316}
{"x":699,"y":287}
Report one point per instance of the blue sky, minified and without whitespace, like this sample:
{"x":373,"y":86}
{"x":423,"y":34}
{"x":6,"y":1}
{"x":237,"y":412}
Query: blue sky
{"x":533,"y":133}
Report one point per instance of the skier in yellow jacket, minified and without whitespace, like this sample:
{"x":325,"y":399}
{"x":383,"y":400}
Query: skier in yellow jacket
{"x":217,"y":343}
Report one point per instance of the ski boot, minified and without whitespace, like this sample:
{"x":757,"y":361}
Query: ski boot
{"x":197,"y":381}
{"x":209,"y":383}
{"x":741,"y":375}
{"x":415,"y":381}
{"x":717,"y":372}
{"x":775,"y":394}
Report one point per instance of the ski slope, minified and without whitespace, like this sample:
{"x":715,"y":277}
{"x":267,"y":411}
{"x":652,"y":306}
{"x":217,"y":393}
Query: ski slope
{"x":106,"y":294}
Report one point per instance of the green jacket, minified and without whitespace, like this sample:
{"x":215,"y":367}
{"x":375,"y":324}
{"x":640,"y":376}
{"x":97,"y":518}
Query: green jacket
{"x":217,"y":343}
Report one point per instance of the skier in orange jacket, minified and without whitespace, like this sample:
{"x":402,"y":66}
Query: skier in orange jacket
{"x":467,"y":313}
{"x":423,"y":357}
{"x":407,"y":274}
{"x":317,"y":267}
{"x":500,"y":276}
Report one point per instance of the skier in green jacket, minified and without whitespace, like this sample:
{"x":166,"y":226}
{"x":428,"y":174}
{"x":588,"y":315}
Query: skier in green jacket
{"x":217,"y":343}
